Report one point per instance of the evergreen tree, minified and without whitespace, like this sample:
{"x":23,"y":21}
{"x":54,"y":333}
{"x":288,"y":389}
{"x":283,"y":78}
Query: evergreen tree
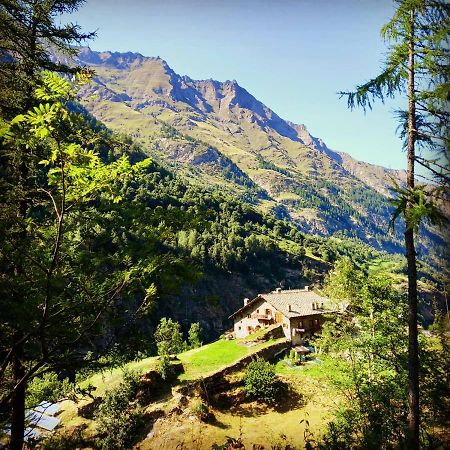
{"x":195,"y":335}
{"x":168,"y":337}
{"x":416,"y":64}
{"x":29,"y":35}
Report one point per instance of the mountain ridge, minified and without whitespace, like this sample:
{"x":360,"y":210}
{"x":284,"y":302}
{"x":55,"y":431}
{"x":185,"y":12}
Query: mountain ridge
{"x":221,"y":135}
{"x":182,"y":91}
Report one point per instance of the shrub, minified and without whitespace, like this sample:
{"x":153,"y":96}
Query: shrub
{"x":164,"y":366}
{"x":119,"y":417}
{"x":48,"y":388}
{"x":261,"y":382}
{"x":201,"y":410}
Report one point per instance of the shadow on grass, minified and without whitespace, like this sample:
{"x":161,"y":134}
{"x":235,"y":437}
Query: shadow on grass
{"x":289,"y":399}
{"x":218,"y":424}
{"x":145,"y":425}
{"x":252,"y":409}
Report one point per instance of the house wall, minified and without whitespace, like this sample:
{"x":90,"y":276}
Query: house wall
{"x":287,"y":327}
{"x":244,"y":325}
{"x":310,"y":324}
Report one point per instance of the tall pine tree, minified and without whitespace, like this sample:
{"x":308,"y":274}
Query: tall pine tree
{"x":415,"y":65}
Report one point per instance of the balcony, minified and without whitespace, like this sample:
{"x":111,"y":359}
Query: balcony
{"x":263,"y":317}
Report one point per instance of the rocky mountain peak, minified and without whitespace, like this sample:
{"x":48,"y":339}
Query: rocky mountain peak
{"x":149,"y":82}
{"x":117,"y":60}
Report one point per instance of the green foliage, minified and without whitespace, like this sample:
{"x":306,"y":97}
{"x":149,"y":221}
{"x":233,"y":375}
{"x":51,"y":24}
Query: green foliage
{"x":53,"y":273}
{"x":195,"y":335}
{"x":345,"y":281}
{"x":48,"y":388}
{"x":260,"y":381}
{"x":168,"y":337}
{"x":119,"y":417}
{"x":201,"y":410}
{"x":435,"y":376}
{"x":368,"y":347}
{"x":163,"y":367}
{"x":27,"y":30}
{"x":417,"y":206}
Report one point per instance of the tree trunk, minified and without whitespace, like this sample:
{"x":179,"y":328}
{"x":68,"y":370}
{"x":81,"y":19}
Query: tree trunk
{"x":413,"y":345}
{"x":18,"y":400}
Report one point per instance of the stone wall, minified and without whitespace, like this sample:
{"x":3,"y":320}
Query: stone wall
{"x":216,"y":382}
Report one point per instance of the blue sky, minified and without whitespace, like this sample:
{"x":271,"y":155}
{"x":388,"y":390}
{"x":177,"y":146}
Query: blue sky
{"x":293,"y":55}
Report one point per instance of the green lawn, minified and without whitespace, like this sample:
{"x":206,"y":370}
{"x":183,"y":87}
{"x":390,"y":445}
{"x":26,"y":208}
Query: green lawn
{"x":209,"y":358}
{"x":109,"y":379}
{"x":197,"y":362}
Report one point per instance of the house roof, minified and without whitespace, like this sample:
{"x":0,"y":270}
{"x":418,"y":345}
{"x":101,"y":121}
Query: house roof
{"x":302,"y":302}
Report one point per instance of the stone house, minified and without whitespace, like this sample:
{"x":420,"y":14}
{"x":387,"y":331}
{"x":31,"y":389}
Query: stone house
{"x":300,"y":312}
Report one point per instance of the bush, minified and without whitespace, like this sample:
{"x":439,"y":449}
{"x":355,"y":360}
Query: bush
{"x":47,"y":388}
{"x":119,"y":417}
{"x":201,"y":410}
{"x":261,"y":382}
{"x":164,"y":366}
{"x":195,"y":335}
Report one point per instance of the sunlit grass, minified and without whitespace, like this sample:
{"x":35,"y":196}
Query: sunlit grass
{"x":209,"y":358}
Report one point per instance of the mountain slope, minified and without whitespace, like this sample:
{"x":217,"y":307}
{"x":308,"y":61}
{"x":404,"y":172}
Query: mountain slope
{"x":218,"y":134}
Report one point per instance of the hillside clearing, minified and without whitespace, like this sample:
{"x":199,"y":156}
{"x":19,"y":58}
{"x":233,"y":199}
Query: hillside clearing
{"x":315,"y":402}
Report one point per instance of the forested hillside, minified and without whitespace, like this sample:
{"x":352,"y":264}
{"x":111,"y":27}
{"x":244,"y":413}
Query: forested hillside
{"x":218,"y":133}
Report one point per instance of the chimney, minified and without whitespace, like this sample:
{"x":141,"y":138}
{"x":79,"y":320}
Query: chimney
{"x":246,"y":300}
{"x":306,"y":288}
{"x":290,"y":308}
{"x":278,"y":290}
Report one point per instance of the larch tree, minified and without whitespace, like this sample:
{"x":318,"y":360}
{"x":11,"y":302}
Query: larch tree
{"x":416,"y":66}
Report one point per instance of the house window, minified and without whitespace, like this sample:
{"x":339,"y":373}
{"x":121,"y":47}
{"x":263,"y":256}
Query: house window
{"x":239,"y":328}
{"x":311,"y":323}
{"x":257,"y":311}
{"x":300,"y":324}
{"x":316,"y":322}
{"x":267,"y":312}
{"x":285,"y":325}
{"x":248,"y":316}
